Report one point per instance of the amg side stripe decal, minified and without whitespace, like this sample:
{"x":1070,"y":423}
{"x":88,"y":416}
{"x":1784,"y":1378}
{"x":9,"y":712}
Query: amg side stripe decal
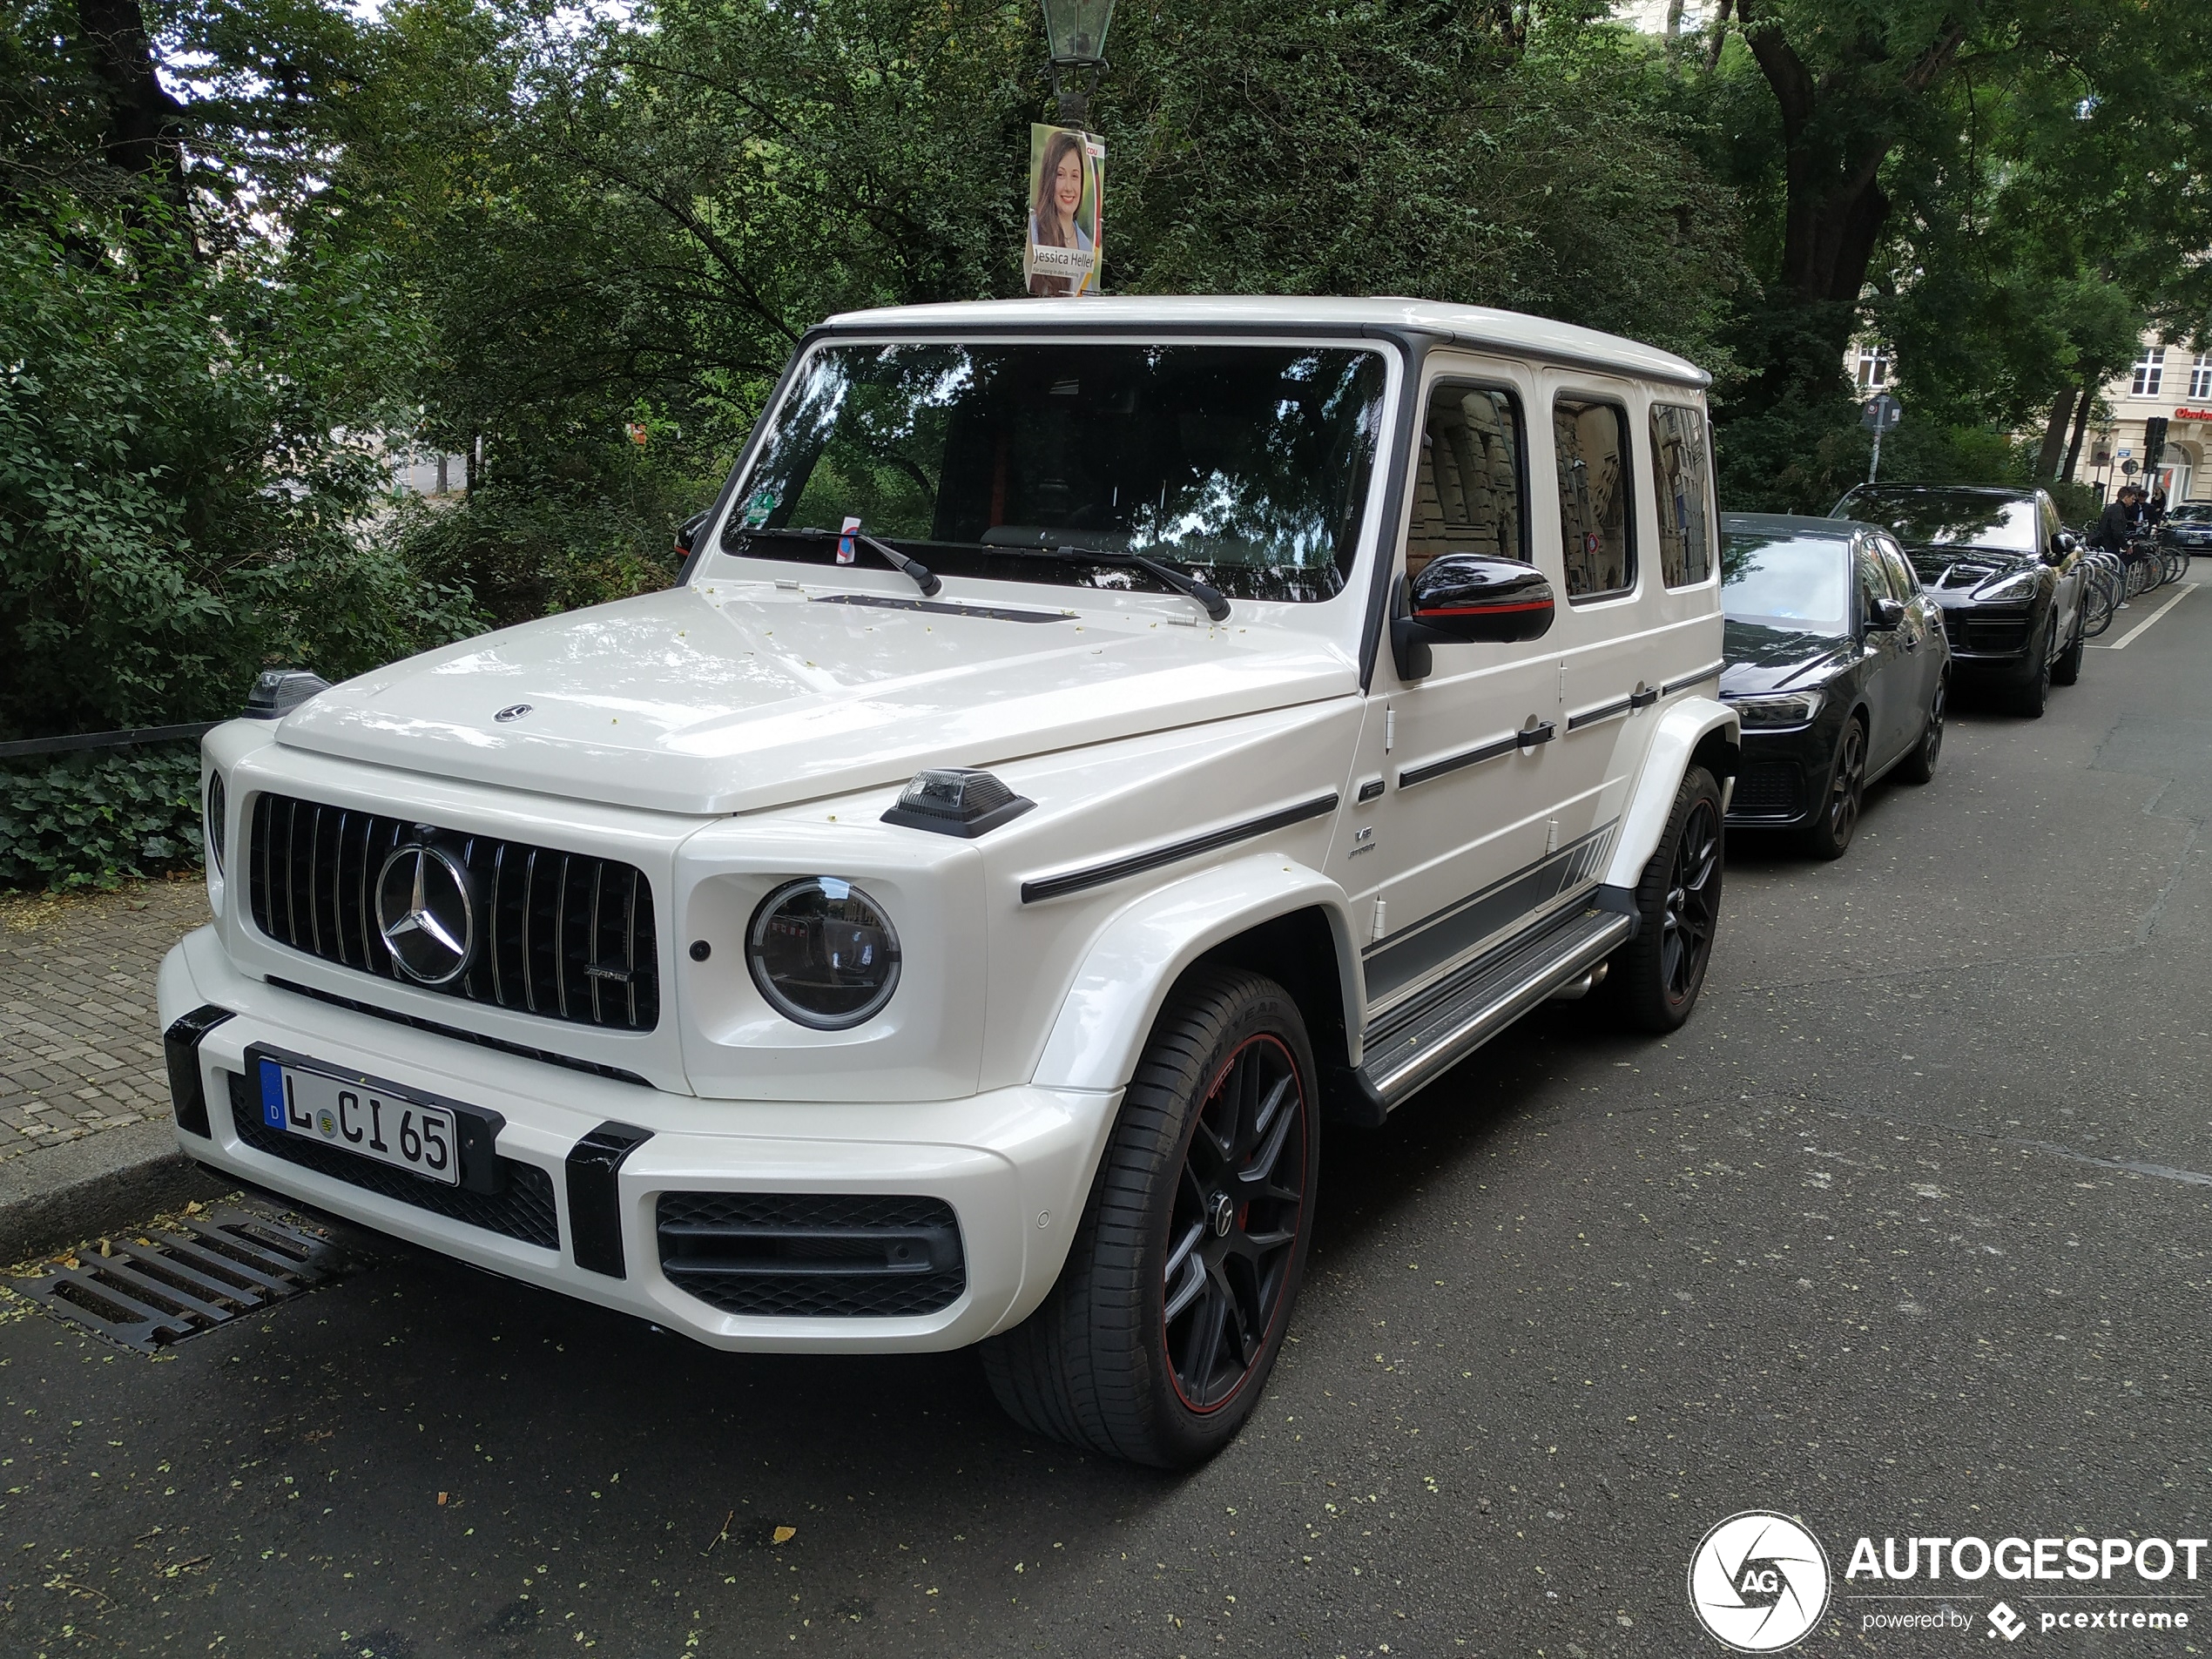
{"x":1097,"y":875}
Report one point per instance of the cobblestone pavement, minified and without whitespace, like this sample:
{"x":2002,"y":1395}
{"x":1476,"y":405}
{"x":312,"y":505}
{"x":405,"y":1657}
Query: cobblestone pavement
{"x":78,"y":1051}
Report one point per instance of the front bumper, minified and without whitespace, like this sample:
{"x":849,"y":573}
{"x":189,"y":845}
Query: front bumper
{"x":1989,"y":638}
{"x":1013,"y":1165}
{"x":1783,"y":775}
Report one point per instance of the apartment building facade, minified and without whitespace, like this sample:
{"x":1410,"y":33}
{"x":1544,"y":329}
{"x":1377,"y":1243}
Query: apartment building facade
{"x":2175,"y":381}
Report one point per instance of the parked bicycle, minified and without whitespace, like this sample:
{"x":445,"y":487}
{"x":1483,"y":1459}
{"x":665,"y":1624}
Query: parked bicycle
{"x":2147,"y":564}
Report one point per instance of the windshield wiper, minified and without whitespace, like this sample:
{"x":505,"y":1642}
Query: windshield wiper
{"x":923,"y":576}
{"x":1205,"y":593}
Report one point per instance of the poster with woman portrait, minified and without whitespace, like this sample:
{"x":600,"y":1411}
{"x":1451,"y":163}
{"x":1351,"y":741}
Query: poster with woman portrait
{"x":1067,"y":181}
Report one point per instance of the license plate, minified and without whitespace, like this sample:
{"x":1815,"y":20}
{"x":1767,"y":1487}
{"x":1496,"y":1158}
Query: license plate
{"x":370,"y":1120}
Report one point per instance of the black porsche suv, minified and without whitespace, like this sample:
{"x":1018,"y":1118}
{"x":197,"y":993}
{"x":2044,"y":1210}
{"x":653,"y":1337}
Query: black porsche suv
{"x":2003,"y":570}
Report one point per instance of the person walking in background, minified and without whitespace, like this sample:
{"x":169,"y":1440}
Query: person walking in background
{"x":2154,"y":513}
{"x":2121,"y":522}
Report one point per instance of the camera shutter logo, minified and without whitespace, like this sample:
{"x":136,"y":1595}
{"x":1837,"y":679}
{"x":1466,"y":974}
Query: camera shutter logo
{"x":1758,"y":1581}
{"x":425,"y":913}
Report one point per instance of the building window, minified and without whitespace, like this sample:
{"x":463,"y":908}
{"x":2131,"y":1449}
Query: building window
{"x":2201,"y":376}
{"x":2150,"y":370}
{"x":1873,"y":367}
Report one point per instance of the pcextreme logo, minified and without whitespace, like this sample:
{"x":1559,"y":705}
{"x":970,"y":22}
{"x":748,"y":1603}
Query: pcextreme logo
{"x":1758,"y":1581}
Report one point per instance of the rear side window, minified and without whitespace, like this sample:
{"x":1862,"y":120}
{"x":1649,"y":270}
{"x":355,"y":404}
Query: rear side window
{"x":1467,"y":497}
{"x":1596,"y":528}
{"x":1681,"y":485}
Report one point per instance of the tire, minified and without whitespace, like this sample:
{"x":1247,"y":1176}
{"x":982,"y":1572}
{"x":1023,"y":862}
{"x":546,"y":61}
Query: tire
{"x":2029,"y":696}
{"x":1829,"y":835}
{"x":1920,"y":766}
{"x":1155,"y":1343}
{"x":1651,"y":983}
{"x":2067,"y":670}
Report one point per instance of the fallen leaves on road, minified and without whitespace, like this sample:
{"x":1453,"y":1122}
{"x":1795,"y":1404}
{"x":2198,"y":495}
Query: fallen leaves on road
{"x":783,"y":1534}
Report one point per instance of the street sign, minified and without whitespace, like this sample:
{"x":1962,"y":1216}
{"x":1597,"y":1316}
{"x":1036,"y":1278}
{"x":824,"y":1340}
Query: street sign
{"x":1882,"y":413}
{"x":2129,"y":467}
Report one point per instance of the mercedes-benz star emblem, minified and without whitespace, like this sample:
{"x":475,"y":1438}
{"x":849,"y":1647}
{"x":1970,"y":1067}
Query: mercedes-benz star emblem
{"x":425,"y":913}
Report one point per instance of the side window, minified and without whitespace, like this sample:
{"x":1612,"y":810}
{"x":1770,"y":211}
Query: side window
{"x":1903,"y":583}
{"x":1466,"y":498}
{"x":1680,"y":484}
{"x":1596,"y":528}
{"x":1873,"y":581}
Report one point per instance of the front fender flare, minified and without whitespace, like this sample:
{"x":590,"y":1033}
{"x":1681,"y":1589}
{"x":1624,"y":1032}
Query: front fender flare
{"x":1134,"y":959}
{"x":1682,"y":729}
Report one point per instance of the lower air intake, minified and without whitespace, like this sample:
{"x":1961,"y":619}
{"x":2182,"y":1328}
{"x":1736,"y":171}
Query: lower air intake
{"x":813,"y":1256}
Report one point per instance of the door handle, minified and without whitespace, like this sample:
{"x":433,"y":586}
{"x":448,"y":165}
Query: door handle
{"x":1529,"y":736}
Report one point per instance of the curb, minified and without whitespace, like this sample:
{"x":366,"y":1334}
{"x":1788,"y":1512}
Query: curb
{"x":58,"y":1195}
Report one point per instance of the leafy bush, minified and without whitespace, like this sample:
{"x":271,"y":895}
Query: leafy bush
{"x":90,"y":818}
{"x":521,"y":553}
{"x":182,"y":483}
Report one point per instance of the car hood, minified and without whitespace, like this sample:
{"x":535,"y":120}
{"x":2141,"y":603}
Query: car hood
{"x":750,"y":695}
{"x":1948,"y":571}
{"x":1764,"y":658}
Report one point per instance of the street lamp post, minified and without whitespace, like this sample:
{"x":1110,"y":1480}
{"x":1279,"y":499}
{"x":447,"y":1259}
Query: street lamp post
{"x":1075,"y":36}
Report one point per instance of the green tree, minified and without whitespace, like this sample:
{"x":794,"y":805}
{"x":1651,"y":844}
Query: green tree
{"x":1917,"y":169}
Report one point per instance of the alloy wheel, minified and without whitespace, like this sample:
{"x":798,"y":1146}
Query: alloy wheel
{"x":1233,"y":1236}
{"x":1848,"y":787}
{"x":1932,"y":739}
{"x":1693,"y":904}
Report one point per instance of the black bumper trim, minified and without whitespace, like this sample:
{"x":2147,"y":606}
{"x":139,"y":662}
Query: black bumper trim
{"x":180,"y":1048}
{"x":595,"y":1192}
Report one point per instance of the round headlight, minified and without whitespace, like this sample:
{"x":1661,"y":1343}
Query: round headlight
{"x":214,"y":825}
{"x":823,"y":952}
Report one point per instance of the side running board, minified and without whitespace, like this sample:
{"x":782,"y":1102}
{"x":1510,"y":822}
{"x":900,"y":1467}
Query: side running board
{"x":1408,"y":1047}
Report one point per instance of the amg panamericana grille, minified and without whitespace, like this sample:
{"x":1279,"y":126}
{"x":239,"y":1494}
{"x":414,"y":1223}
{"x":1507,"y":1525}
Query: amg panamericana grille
{"x":561,"y":934}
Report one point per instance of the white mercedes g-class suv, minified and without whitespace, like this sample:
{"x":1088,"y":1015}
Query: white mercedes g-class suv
{"x":1089,"y":746}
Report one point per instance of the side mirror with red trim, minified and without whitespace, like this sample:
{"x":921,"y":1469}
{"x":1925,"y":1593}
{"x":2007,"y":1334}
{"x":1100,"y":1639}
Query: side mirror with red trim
{"x":1466,"y":599}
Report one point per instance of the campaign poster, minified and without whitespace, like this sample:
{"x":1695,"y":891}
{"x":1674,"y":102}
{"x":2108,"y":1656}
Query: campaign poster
{"x":1067,"y":183}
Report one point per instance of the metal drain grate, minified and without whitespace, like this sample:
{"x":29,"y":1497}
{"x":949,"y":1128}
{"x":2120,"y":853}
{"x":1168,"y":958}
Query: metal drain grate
{"x":225,"y":1263}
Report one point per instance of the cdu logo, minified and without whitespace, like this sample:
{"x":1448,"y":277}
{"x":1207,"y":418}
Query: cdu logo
{"x":1758,"y":1581}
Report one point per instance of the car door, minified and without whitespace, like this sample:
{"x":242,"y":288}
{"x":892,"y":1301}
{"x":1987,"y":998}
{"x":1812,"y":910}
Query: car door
{"x":1923,"y":661}
{"x":1887,"y":673}
{"x":1451,"y":855}
{"x":1607,"y":634}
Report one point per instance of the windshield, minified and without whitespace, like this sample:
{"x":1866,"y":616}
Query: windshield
{"x":1247,"y":465}
{"x":1949,"y":518}
{"x":1785,"y":581}
{"x":2194,"y":513}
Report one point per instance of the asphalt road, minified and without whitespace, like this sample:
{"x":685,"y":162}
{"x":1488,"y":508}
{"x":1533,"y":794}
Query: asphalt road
{"x":1905,"y":1234}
